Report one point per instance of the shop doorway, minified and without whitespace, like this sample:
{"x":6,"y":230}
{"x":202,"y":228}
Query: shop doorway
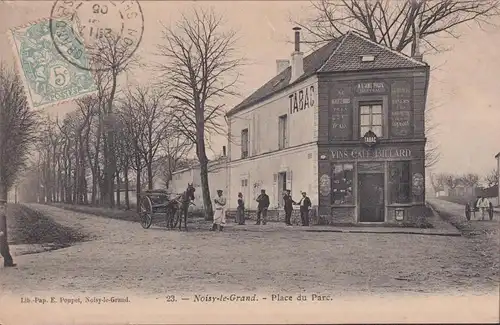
{"x":371,"y":197}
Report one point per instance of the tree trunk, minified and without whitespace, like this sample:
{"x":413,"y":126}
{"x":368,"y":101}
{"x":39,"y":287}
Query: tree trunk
{"x":203,"y":160}
{"x":205,"y":189}
{"x":138,"y":189}
{"x":150,"y":175}
{"x":127,"y":199}
{"x":118,"y":183}
{"x":4,"y":243}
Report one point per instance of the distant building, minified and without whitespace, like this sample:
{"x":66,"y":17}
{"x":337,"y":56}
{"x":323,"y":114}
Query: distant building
{"x":216,"y":179}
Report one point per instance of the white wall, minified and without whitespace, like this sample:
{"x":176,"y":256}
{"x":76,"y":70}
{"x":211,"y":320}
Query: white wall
{"x":299,"y":163}
{"x":262,"y":121}
{"x":216,"y":180}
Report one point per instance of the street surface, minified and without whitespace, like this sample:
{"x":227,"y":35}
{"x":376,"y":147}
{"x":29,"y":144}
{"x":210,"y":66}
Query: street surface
{"x":120,"y":255}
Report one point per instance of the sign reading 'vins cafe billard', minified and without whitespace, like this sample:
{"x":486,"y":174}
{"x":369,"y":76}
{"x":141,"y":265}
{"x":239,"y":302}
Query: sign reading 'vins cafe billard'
{"x":301,"y":99}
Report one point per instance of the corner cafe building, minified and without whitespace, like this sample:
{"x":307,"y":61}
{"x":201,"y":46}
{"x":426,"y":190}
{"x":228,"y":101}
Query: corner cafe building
{"x":357,"y":149}
{"x":371,"y":160}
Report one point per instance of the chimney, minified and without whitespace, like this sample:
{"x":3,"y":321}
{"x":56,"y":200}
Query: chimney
{"x":281,"y":65}
{"x":224,"y":151}
{"x":297,"y":57}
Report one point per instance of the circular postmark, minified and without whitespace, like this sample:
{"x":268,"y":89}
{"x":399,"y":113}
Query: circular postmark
{"x":106,"y":31}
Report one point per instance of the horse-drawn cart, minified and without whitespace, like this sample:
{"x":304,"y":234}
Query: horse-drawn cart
{"x":471,"y":209}
{"x":172,"y":206}
{"x":154,"y":202}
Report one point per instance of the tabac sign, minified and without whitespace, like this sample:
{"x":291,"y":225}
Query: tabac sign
{"x":370,"y":138}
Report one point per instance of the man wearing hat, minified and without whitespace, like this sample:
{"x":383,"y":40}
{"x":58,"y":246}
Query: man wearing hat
{"x":220,"y":212}
{"x":305,"y":204}
{"x":289,"y":202}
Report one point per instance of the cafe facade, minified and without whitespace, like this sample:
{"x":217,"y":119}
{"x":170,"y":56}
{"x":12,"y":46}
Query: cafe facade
{"x":354,"y":137}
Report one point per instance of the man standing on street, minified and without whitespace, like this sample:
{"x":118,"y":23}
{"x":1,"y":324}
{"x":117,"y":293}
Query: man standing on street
{"x":305,"y":204}
{"x":4,"y":245}
{"x":288,"y":202}
{"x":262,"y":207}
{"x":483,"y":204}
{"x":220,"y":213}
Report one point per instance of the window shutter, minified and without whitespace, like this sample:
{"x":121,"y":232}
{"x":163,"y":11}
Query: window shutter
{"x":287,"y":133}
{"x":289,"y":181}
{"x":275,"y":190}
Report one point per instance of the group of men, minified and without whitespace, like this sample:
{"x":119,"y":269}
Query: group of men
{"x":263,"y":203}
{"x":288,"y":203}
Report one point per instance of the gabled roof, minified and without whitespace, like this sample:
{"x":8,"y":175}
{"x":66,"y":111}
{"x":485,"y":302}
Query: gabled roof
{"x":339,"y":55}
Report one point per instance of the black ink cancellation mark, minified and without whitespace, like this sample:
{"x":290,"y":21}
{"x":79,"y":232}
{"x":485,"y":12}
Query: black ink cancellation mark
{"x":77,"y":27}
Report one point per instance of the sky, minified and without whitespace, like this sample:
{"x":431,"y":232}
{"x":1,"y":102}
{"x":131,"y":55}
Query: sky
{"x":464,"y":90}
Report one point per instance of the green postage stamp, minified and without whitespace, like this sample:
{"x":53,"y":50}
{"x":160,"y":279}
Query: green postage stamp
{"x":48,"y":77}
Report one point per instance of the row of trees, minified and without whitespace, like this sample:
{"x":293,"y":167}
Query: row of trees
{"x":441,"y":180}
{"x":143,"y":131}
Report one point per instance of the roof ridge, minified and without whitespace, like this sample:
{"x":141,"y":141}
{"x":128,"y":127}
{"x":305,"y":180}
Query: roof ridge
{"x":384,"y":47}
{"x":334,"y":51}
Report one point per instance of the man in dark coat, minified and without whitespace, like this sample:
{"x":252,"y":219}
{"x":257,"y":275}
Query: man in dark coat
{"x":4,"y":245}
{"x":288,"y":205}
{"x":305,"y":204}
{"x":262,"y":207}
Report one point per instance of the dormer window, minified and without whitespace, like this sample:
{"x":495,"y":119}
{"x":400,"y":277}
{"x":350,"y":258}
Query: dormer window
{"x":367,"y":58}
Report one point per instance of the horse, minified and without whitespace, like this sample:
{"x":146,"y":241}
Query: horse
{"x":180,"y":204}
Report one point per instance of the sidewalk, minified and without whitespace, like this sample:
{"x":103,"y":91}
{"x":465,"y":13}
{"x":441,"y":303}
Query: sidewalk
{"x":441,"y":228}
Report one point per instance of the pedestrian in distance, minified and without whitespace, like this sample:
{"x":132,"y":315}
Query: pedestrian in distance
{"x":220,"y":212}
{"x":288,"y":205}
{"x":240,"y":210}
{"x":262,"y":207}
{"x":305,"y":204}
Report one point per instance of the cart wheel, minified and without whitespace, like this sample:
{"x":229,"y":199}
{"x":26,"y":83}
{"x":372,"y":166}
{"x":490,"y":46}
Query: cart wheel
{"x":146,"y":213}
{"x":467,"y":212}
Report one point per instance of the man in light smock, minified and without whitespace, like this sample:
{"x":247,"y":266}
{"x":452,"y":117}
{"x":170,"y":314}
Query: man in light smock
{"x":220,"y":212}
{"x":483,"y":204}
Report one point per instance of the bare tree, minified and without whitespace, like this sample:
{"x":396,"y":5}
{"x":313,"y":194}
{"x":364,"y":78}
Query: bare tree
{"x":201,"y":69}
{"x":18,"y":130}
{"x":176,"y":148}
{"x":110,"y":57}
{"x":492,"y":178}
{"x":396,"y":24}
{"x":392,"y":23}
{"x":469,"y":180}
{"x":132,"y":124}
{"x":152,"y":108}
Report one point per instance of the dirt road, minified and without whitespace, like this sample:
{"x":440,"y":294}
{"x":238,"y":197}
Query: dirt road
{"x":123,"y":256}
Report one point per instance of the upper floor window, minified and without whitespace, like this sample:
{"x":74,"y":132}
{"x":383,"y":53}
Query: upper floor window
{"x":244,"y":143}
{"x":283,"y":132}
{"x":370,"y":118}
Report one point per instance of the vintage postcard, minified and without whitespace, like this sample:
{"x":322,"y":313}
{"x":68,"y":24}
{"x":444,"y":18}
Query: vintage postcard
{"x":249,"y":162}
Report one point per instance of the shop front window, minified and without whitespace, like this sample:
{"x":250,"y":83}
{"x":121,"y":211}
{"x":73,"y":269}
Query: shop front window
{"x":399,"y":182}
{"x":342,"y":181}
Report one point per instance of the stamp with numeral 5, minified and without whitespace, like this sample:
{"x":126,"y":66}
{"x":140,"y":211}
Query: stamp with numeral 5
{"x":48,"y":77}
